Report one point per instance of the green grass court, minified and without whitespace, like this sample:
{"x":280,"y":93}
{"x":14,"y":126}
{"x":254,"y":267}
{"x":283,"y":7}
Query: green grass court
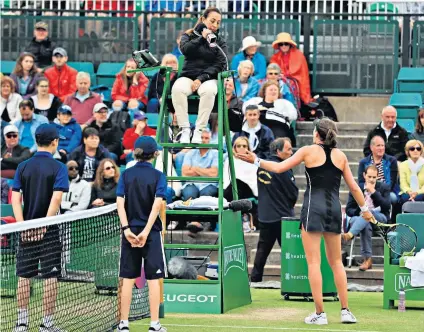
{"x":269,"y":312}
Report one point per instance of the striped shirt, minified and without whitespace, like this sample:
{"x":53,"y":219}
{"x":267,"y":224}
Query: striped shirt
{"x":380,"y":174}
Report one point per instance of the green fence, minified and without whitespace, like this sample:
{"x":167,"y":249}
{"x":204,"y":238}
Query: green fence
{"x":418,"y":44}
{"x":164,"y":32}
{"x":355,"y":56}
{"x":91,"y":39}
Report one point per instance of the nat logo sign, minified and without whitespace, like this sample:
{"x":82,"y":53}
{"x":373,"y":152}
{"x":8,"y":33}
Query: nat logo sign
{"x":234,"y":257}
{"x":403,"y":281}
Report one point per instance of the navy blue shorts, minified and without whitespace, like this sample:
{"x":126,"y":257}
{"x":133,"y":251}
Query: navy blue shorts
{"x":152,"y":253}
{"x":47,"y":253}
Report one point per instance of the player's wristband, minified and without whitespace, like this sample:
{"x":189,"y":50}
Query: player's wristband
{"x":364,"y":208}
{"x":123,"y":228}
{"x":257,"y":162}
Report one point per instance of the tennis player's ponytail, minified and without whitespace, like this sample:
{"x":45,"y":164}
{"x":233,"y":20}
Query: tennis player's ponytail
{"x":327,"y":131}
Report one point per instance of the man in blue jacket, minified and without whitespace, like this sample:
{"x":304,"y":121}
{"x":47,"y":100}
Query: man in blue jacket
{"x":249,"y":51}
{"x":387,"y":167}
{"x":259,"y":135}
{"x":28,"y":124}
{"x":70,"y":133}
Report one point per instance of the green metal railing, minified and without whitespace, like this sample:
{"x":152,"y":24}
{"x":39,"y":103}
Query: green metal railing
{"x":164,"y":32}
{"x":116,"y":38}
{"x":355,"y":56}
{"x":418,"y":44}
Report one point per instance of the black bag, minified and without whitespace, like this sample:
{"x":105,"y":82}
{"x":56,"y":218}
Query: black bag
{"x":235,"y":118}
{"x":318,"y":109}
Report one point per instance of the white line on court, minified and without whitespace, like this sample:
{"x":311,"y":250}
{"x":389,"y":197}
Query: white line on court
{"x":266,"y":328}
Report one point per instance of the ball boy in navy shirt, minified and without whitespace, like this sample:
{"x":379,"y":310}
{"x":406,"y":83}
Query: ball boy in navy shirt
{"x":140,"y":193}
{"x":41,"y":180}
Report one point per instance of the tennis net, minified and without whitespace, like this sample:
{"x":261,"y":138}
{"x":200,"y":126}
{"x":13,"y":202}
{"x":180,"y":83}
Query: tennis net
{"x":81,"y":251}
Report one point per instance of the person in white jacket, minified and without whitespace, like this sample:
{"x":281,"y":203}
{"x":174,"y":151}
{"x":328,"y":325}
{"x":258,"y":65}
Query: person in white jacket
{"x":276,"y":113}
{"x":245,"y":173}
{"x":78,"y":196}
{"x":9,"y":101}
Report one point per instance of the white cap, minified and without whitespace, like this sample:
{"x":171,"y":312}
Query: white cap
{"x":98,"y":107}
{"x":249,"y":41}
{"x":10,"y":129}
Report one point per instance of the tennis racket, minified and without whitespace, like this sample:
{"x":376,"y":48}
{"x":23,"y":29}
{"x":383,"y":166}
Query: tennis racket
{"x":400,"y":238}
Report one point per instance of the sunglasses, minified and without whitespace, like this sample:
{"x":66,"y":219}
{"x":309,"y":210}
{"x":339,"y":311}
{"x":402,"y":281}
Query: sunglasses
{"x":109,"y":168}
{"x":241,"y":146}
{"x":43,"y":86}
{"x":413,"y":148}
{"x":73,"y":168}
{"x":273,"y":73}
{"x":11,"y":135}
{"x":284,"y":44}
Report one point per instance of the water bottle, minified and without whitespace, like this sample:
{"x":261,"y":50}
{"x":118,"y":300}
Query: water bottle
{"x":401,"y":305}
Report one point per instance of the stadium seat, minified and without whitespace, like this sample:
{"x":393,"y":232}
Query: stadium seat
{"x":106,"y":73}
{"x":6,"y":67}
{"x":407,"y":124}
{"x":411,"y":80}
{"x":87,"y":67}
{"x":152,"y":119}
{"x":381,"y":8}
{"x":406,"y":104}
{"x":6,"y":210}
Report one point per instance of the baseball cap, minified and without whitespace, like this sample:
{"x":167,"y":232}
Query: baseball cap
{"x":10,"y":129}
{"x":148,"y":144}
{"x":41,"y":25}
{"x":99,"y":106}
{"x":65,"y":109}
{"x":140,"y":116}
{"x":46,"y":133}
{"x":60,"y":50}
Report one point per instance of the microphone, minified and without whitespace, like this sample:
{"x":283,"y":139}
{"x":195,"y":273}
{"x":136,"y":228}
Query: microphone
{"x":243,"y":205}
{"x":180,"y":269}
{"x":210,"y":38}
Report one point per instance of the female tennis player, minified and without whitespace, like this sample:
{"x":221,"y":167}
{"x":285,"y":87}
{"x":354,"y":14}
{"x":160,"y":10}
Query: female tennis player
{"x":321,"y":212}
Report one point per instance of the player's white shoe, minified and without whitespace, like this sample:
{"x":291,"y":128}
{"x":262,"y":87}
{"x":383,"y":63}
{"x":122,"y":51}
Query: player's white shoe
{"x":347,"y":317}
{"x":320,"y":319}
{"x":21,"y":328}
{"x":161,"y":329}
{"x":123,"y":329}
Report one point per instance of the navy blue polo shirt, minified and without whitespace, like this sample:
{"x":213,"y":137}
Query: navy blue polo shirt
{"x":37,"y":178}
{"x":140,"y":185}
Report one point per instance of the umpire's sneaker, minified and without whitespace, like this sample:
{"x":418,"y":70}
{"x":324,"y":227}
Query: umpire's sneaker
{"x":21,"y":328}
{"x":161,"y":329}
{"x":185,"y":136}
{"x":347,"y":317}
{"x":316,"y":319}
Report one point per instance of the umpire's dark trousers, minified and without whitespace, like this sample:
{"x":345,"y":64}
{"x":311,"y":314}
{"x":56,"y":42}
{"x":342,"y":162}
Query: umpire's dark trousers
{"x":269,"y":232}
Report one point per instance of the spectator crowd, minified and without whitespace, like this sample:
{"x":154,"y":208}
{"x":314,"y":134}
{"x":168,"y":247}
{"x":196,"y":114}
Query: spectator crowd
{"x":97,"y":139}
